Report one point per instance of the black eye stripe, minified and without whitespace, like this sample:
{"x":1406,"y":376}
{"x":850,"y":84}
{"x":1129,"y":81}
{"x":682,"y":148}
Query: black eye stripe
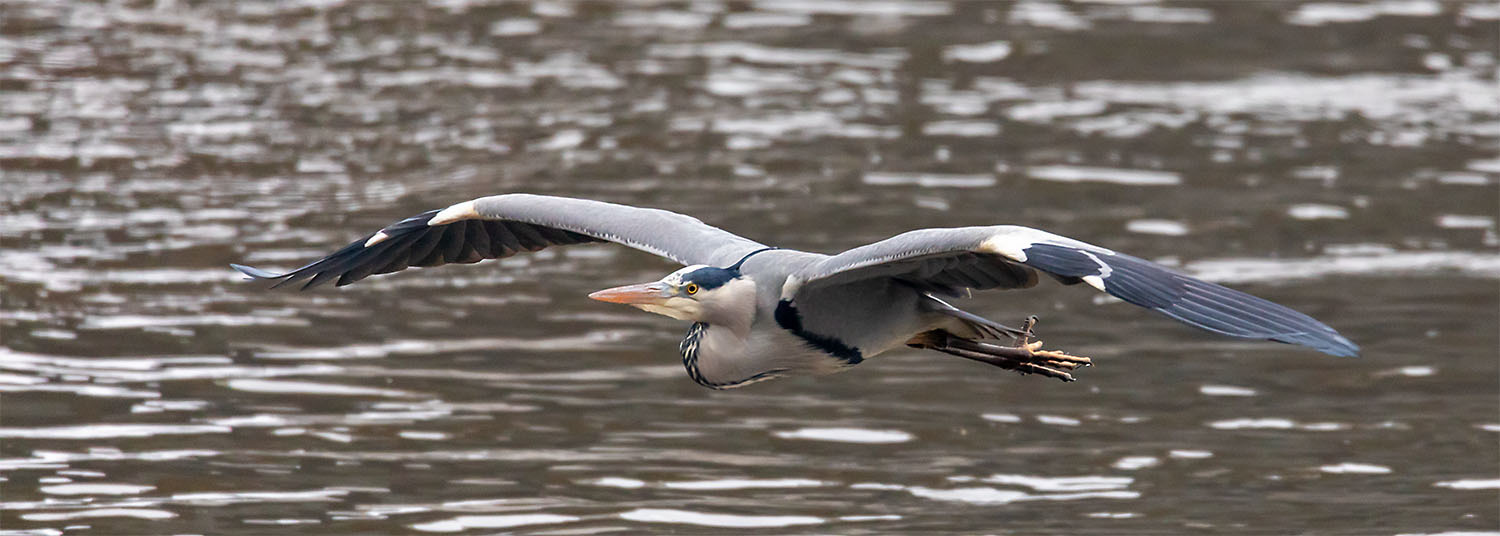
{"x":709,"y":278}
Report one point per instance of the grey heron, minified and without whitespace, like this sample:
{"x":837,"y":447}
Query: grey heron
{"x":761,"y":312}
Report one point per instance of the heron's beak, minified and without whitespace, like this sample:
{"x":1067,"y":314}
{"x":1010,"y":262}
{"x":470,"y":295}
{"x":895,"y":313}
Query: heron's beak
{"x":653,"y":293}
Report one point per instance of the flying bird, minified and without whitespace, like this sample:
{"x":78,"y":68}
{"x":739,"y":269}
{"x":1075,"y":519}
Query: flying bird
{"x":760,"y":312}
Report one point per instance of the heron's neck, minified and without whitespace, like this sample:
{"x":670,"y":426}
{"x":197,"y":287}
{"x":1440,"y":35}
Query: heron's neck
{"x":732,"y":309}
{"x":712,"y":357}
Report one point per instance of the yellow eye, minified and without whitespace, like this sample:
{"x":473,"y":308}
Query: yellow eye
{"x":692,"y":288}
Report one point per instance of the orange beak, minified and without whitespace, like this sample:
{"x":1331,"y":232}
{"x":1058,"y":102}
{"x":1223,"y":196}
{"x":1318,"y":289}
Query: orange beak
{"x":653,"y":293}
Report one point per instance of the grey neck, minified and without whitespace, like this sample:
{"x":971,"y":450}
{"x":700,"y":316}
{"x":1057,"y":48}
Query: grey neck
{"x":690,"y":348}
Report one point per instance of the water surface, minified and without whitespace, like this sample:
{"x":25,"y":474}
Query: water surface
{"x":1336,"y":157}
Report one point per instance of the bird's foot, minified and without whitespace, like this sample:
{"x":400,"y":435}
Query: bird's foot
{"x":1057,"y":358}
{"x":1030,"y":358}
{"x":1053,"y":361}
{"x":1027,"y":358}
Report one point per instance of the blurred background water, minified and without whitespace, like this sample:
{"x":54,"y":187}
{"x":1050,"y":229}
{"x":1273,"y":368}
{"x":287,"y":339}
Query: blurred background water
{"x":1340,"y":158}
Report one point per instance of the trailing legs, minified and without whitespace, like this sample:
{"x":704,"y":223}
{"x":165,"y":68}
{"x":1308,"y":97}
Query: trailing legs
{"x":1026,"y":357}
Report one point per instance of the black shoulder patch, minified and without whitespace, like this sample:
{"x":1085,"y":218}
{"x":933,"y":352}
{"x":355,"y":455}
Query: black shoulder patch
{"x":710,"y":278}
{"x":789,"y":319}
{"x":787,"y":316}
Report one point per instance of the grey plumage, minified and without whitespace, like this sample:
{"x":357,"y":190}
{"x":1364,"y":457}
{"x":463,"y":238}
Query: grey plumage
{"x":941,"y":259}
{"x":675,"y":236}
{"x":762,"y":312}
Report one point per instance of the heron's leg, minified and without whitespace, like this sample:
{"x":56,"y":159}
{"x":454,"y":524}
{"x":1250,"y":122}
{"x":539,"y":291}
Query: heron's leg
{"x":986,"y":328}
{"x":1028,"y":358}
{"x":1026,"y":333}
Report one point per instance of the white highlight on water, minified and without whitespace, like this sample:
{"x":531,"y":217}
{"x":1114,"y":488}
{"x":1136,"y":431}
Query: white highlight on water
{"x":768,"y":55}
{"x":1062,"y":483}
{"x":1416,"y":371}
{"x":978,"y":53}
{"x":1355,"y":468}
{"x":1186,"y":454}
{"x":847,"y":435}
{"x":755,"y":19}
{"x":96,"y":488}
{"x":1130,"y":177}
{"x":1044,"y":112}
{"x":962,"y":128}
{"x":1269,"y":423}
{"x":1463,"y":178}
{"x":1131,"y":463}
{"x":137,"y":513}
{"x":885,"y":517}
{"x":462,"y":523}
{"x":1058,"y":420}
{"x":743,"y":483}
{"x":1391,"y":264}
{"x":1225,"y":390}
{"x":1276,"y":423}
{"x":929,"y":180}
{"x":1470,"y":483}
{"x":1312,"y":211}
{"x":514,"y":27}
{"x":1459,"y":221}
{"x":661,"y":515}
{"x":1318,"y":14}
{"x":312,"y":388}
{"x":423,"y":435}
{"x":618,"y":482}
{"x":1157,"y":227}
{"x":882,"y":8}
{"x":1047,"y":15}
{"x":984,"y":495}
{"x":105,"y":430}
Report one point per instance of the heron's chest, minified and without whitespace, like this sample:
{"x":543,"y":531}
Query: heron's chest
{"x":717,"y":359}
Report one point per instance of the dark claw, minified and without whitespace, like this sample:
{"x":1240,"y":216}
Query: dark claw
{"x":1026,"y":333}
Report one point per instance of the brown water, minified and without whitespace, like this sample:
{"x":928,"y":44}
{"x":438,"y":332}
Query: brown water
{"x":1338,"y":158}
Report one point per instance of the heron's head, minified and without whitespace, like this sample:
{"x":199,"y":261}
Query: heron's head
{"x":697,"y":293}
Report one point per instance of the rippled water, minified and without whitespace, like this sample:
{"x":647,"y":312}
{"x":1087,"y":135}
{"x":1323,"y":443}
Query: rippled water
{"x":1340,"y":158}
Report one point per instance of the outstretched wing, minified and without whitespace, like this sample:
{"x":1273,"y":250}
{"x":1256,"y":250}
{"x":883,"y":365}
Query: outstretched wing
{"x":951,"y":260}
{"x":503,"y":225}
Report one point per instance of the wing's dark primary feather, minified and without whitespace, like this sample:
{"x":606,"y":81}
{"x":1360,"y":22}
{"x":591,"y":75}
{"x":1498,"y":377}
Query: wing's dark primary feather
{"x":1193,"y":301}
{"x":412,"y":242}
{"x":949,"y":260}
{"x":503,"y":225}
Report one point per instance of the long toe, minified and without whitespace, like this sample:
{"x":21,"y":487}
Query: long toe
{"x":1063,"y":357}
{"x":1033,"y":368}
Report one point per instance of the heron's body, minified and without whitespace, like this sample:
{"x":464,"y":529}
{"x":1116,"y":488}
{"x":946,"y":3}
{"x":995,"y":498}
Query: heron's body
{"x":760,"y":312}
{"x":734,"y":350}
